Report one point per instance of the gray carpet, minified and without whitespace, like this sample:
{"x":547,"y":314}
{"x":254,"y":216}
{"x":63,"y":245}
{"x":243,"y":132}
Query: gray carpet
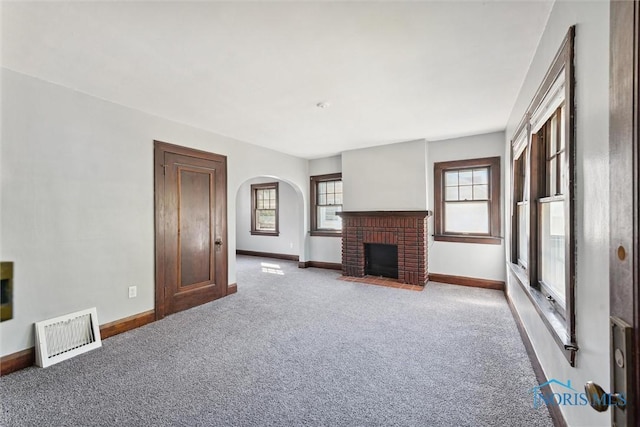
{"x":297,"y":347}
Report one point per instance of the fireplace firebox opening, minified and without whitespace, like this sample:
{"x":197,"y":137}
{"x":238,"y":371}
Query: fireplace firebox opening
{"x":381,"y":260}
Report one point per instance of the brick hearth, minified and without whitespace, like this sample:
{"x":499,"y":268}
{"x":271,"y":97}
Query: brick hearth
{"x":406,"y":229}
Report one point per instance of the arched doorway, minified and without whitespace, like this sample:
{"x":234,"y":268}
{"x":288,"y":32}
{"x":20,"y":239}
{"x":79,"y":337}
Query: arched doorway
{"x":289,"y":240}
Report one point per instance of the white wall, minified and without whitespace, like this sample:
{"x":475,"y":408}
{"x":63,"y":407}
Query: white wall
{"x":325,"y":165}
{"x":389,"y":177}
{"x":325,"y":248}
{"x":592,"y":195}
{"x":290,"y":216}
{"x":77,"y":200}
{"x":466,"y":259}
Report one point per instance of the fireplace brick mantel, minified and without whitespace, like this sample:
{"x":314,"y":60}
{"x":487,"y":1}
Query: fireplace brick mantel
{"x":406,"y":229}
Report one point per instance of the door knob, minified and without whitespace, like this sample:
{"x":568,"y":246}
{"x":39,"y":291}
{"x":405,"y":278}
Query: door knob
{"x":599,"y":400}
{"x":218,"y":242}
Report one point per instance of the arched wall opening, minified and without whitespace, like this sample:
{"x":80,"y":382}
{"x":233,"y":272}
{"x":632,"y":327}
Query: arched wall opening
{"x":291,"y":238}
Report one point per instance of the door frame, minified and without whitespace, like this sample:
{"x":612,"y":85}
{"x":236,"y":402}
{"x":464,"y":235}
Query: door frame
{"x":160,"y":149}
{"x":624,"y":185}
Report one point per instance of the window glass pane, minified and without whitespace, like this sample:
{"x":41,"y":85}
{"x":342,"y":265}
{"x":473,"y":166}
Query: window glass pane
{"x":331,"y":199}
{"x":451,"y":178}
{"x":465,"y":192}
{"x":331,"y":186}
{"x":481,"y":176}
{"x":467,"y":217}
{"x":322,"y":199}
{"x":260,"y":194}
{"x":525,"y":176}
{"x":562,"y":127}
{"x":480,"y":192}
{"x":338,"y":200}
{"x":465,"y":177}
{"x":266,"y":220}
{"x":260,"y":204}
{"x":451,"y":193}
{"x":563,"y":172}
{"x":523,"y":231}
{"x":553,"y":133}
{"x":338,"y":186}
{"x":551,"y":177}
{"x":262,"y":201}
{"x":322,"y":187}
{"x":552,"y":249}
{"x":327,"y":218}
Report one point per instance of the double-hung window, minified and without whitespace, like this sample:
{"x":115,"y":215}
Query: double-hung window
{"x":467,"y":200}
{"x":264,"y":209}
{"x":326,"y":202}
{"x":552,"y":230}
{"x":520,"y":231}
{"x":542,"y":232}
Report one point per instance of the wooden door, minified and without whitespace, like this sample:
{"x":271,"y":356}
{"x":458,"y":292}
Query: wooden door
{"x":191,"y":227}
{"x":624,"y":196}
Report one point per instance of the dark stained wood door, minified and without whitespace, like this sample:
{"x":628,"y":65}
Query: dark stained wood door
{"x":624,"y":260}
{"x":191,"y":229}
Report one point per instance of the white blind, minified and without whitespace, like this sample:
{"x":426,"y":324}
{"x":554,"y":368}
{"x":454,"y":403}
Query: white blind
{"x":519,"y":143}
{"x":550,"y":103}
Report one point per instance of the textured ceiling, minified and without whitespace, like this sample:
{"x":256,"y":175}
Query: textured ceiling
{"x":391,"y":71}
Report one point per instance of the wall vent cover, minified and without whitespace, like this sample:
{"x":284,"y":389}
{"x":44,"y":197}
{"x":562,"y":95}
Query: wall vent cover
{"x":64,"y":337}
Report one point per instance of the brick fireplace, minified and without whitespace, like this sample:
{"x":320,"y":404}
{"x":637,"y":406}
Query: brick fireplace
{"x":407,"y":230}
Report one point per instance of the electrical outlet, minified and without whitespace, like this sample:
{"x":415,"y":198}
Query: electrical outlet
{"x":133,"y":291}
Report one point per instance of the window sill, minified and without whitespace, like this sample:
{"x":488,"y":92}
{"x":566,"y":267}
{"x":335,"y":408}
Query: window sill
{"x":265,"y":233}
{"x":552,"y":319}
{"x":487,"y":240}
{"x":326,"y":233}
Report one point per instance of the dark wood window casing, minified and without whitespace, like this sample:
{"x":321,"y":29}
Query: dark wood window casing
{"x":316,"y":204}
{"x":259,"y":204}
{"x":490,"y":195}
{"x":549,"y":160}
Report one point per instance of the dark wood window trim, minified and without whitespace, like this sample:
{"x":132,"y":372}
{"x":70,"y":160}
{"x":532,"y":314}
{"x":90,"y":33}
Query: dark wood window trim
{"x":493,"y":237}
{"x":315,"y":231}
{"x":561,"y":323}
{"x":264,"y":186}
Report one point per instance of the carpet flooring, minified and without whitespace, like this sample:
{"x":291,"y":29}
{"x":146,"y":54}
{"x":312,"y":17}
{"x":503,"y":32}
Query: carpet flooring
{"x":296,"y":347}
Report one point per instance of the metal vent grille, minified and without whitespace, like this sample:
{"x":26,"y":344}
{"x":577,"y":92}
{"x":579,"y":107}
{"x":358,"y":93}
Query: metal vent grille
{"x":66,"y":336}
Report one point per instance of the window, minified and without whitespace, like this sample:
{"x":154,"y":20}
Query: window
{"x":551,"y":206}
{"x":521,"y":225}
{"x":326,"y":202}
{"x":543,"y":243}
{"x":467,"y":201}
{"x":264,"y":209}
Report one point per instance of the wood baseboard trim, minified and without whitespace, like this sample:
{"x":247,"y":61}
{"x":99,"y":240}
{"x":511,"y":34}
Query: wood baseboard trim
{"x":268,"y":255}
{"x":232,"y":288}
{"x":467,"y":281}
{"x":320,"y":264}
{"x":556,"y":415}
{"x":123,"y":325}
{"x":25,"y":358}
{"x":16,"y":361}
